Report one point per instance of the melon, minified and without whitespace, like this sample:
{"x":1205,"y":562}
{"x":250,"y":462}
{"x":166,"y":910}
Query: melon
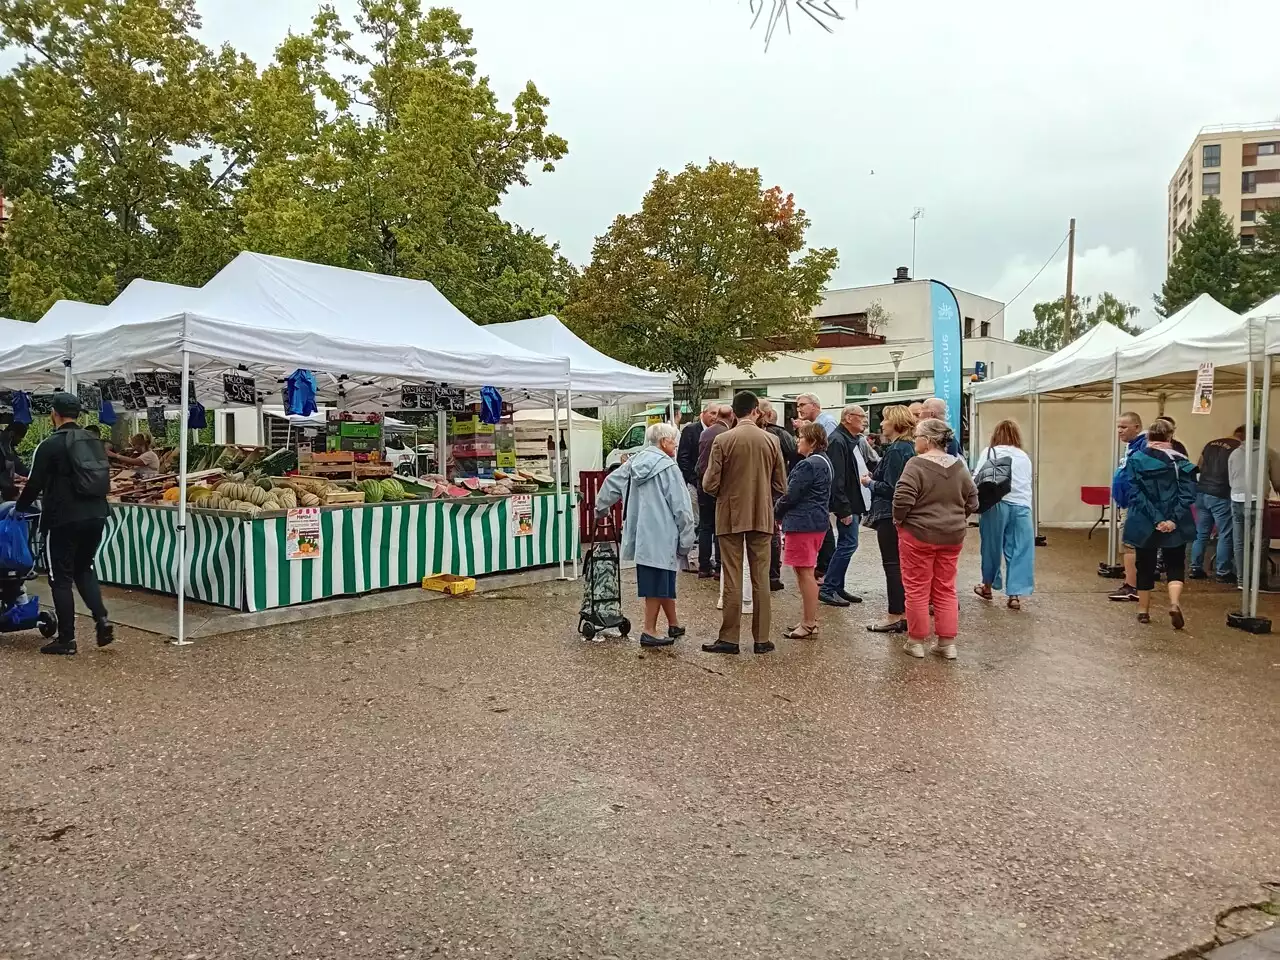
{"x":471,"y":483}
{"x":372,"y":491}
{"x":453,"y":491}
{"x":392,"y":489}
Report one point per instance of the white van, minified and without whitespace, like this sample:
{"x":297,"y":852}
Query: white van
{"x":631,"y":441}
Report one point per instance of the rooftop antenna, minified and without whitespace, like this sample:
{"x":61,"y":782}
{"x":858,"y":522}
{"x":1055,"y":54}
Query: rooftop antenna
{"x":916,"y":215}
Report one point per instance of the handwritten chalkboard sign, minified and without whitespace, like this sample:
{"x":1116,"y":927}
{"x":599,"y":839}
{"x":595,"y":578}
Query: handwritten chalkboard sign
{"x":156,"y":422}
{"x":41,"y":404}
{"x":169,"y":386}
{"x":113,"y":389}
{"x":150,"y":385}
{"x":416,"y":396}
{"x":135,"y":396}
{"x":90,"y":395}
{"x":238,"y":388}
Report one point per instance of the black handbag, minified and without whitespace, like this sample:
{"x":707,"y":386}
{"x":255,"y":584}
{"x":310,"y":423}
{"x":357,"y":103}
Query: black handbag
{"x":994,"y":480}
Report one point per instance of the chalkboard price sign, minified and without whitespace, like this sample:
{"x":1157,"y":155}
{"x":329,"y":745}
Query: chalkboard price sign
{"x":90,"y":395}
{"x":416,"y":396}
{"x":135,"y":396}
{"x":112,"y":389}
{"x":238,"y":388}
{"x":156,"y":422}
{"x":169,"y":386}
{"x":150,"y":385}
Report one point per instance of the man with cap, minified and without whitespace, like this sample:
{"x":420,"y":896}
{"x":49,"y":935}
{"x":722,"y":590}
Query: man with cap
{"x":70,"y":472}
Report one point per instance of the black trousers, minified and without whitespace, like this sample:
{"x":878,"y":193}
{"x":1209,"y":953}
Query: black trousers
{"x":70,"y":549}
{"x":707,"y":546}
{"x":1147,"y":558}
{"x":826,"y":551}
{"x":775,"y":557}
{"x":887,"y":537}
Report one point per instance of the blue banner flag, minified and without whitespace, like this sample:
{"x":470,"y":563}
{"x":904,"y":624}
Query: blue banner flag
{"x":948,"y":368}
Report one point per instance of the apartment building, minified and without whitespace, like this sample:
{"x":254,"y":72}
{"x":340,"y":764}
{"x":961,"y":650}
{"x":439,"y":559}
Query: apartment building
{"x":872,"y":337}
{"x":1240,"y":165}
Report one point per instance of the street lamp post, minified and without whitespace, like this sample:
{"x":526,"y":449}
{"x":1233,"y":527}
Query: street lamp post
{"x":896,"y":357}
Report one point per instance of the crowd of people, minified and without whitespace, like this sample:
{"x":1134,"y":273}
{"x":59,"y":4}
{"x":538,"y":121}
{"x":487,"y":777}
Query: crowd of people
{"x":756,"y":496}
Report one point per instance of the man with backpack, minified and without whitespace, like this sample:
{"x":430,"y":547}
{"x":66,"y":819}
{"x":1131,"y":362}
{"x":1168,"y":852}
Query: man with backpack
{"x":71,"y":473}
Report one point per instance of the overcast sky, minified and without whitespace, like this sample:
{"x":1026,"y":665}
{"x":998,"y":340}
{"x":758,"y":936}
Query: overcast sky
{"x":1002,"y":118}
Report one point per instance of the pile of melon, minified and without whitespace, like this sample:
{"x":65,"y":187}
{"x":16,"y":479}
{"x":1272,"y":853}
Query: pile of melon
{"x":389,"y":490}
{"x":263,"y":494}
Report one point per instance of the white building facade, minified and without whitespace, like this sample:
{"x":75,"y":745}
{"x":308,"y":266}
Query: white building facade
{"x":863,"y":331}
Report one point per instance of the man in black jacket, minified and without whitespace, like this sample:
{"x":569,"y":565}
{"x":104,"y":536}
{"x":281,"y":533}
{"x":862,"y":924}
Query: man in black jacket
{"x":72,"y":522}
{"x":850,"y":458}
{"x":790,"y":457}
{"x":11,"y":467}
{"x":687,"y":451}
{"x":1213,"y":508}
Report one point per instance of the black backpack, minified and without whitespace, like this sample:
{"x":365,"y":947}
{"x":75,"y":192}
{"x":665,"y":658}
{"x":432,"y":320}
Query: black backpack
{"x":87,"y":465}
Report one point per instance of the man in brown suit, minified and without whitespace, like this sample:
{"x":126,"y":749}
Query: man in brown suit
{"x":745,"y":475}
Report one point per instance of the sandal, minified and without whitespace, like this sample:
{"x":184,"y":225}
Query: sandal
{"x":800,"y":632}
{"x":983,"y":591}
{"x":1013,"y":603}
{"x":1144,"y":618}
{"x":897,"y":626}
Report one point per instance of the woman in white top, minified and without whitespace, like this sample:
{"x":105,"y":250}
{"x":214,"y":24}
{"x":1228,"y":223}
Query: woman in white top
{"x":146,"y":462}
{"x":1007,"y":529}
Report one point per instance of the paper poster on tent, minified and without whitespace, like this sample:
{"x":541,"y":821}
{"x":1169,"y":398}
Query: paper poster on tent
{"x":521,"y":515}
{"x":302,"y":534}
{"x":1202,"y":401}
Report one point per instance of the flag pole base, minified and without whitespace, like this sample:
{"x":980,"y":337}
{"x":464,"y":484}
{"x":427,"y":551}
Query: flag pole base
{"x":175,"y":642}
{"x":1249,"y":624}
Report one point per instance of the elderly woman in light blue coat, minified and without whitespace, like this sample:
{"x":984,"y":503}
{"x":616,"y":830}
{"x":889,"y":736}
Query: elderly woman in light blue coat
{"x":657,"y":529}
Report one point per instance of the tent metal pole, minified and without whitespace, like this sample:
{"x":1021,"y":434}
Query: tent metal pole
{"x":1035,"y":469}
{"x":1114,"y":523}
{"x":573,"y":497}
{"x":555,"y":449}
{"x":1263,"y":486}
{"x":183,"y":433}
{"x":1245,"y":575}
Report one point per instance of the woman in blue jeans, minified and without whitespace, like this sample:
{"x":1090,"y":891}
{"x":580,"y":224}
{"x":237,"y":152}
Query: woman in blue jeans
{"x":1008,"y":532}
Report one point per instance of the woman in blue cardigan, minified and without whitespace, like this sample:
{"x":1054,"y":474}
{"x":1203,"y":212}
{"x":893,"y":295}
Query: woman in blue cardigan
{"x":805,"y":514}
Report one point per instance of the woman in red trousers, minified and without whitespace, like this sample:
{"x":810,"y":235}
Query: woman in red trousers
{"x":931,"y":506}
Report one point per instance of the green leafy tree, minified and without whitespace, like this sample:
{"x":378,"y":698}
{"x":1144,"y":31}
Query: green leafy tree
{"x":1208,"y":261}
{"x":398,"y":166}
{"x":116,"y":118}
{"x":1047,"y":334}
{"x":1261,"y":264}
{"x":712,"y":268}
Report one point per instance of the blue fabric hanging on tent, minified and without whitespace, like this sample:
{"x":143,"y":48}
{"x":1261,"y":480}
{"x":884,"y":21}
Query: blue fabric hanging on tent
{"x":300,"y":394}
{"x":106,"y":413}
{"x":490,"y":405}
{"x":21,"y":407}
{"x":196,"y":419}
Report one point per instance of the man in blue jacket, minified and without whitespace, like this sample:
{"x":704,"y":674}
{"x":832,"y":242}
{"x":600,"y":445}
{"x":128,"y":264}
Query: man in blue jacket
{"x":1129,"y":432}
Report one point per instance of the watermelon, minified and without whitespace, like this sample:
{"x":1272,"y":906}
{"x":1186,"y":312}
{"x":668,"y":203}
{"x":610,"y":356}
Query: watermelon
{"x":440,"y":490}
{"x":372,"y":491}
{"x":392,"y":489}
{"x":456,"y":492}
{"x":471,"y":483}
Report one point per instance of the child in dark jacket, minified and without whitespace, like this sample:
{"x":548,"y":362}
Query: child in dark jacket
{"x":804,"y":512}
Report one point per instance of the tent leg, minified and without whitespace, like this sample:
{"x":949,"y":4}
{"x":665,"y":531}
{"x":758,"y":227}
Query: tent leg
{"x":555,"y":447}
{"x":1109,"y":569}
{"x":183,"y":433}
{"x":1040,"y":539}
{"x":1262,"y":486}
{"x":573,"y":497}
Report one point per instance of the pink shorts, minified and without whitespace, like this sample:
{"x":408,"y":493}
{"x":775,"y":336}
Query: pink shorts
{"x":801,"y":549}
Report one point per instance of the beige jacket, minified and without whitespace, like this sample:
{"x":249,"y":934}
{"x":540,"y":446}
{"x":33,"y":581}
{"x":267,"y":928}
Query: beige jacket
{"x":745,"y":475}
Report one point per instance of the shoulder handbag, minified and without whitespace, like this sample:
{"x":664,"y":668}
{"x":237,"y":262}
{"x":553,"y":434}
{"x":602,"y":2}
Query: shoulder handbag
{"x":994,"y":480}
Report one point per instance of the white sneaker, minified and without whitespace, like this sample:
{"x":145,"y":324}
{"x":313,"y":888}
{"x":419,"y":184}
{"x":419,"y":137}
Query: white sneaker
{"x":947,"y":651}
{"x":748,"y":607}
{"x":914,"y":649}
{"x":720,"y":604}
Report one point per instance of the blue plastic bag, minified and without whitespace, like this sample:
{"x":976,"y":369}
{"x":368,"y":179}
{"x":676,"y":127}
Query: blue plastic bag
{"x":15,"y":545}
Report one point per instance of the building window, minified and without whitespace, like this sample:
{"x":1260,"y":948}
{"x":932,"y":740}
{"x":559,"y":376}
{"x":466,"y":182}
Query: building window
{"x":1266,"y":149}
{"x":984,"y":330}
{"x":968,"y":328}
{"x":1211,"y":184}
{"x":1248,"y":216}
{"x":1212,"y":155}
{"x":1246,"y":241}
{"x":1249,"y":182}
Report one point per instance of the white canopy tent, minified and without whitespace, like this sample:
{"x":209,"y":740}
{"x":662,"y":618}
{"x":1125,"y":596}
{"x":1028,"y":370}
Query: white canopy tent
{"x":1086,"y":359}
{"x":269,"y":316}
{"x":37,"y":354}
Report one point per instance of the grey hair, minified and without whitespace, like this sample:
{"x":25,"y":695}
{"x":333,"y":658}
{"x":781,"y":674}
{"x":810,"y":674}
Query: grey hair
{"x":936,"y":432}
{"x":660,"y":431}
{"x":851,"y":409}
{"x":710,"y":405}
{"x":936,"y":403}
{"x":808,"y":398}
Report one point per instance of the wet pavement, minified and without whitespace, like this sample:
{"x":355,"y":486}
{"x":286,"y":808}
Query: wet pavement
{"x":471,"y":779}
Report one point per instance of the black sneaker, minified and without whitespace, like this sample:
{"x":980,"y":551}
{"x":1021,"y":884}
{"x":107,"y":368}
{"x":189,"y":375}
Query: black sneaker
{"x":1227,"y":578}
{"x":647,"y":640}
{"x":675,"y":633}
{"x":832,"y":599}
{"x":765,"y":646}
{"x":60,"y":648}
{"x":776,"y":585}
{"x":106,"y":633}
{"x":1125,"y":593}
{"x":1198,"y":575}
{"x":851,"y":597}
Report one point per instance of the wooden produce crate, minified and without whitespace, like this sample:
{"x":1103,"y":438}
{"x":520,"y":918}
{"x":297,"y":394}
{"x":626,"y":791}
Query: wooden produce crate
{"x":344,"y":498}
{"x":449,"y":583}
{"x":370,"y":471}
{"x":340,"y":464}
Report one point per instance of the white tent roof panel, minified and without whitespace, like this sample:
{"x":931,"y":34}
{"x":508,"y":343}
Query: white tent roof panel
{"x":1087,"y":359}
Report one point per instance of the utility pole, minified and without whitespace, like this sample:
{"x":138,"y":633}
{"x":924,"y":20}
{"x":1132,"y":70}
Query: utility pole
{"x":1067,"y":303}
{"x":915,"y":222}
